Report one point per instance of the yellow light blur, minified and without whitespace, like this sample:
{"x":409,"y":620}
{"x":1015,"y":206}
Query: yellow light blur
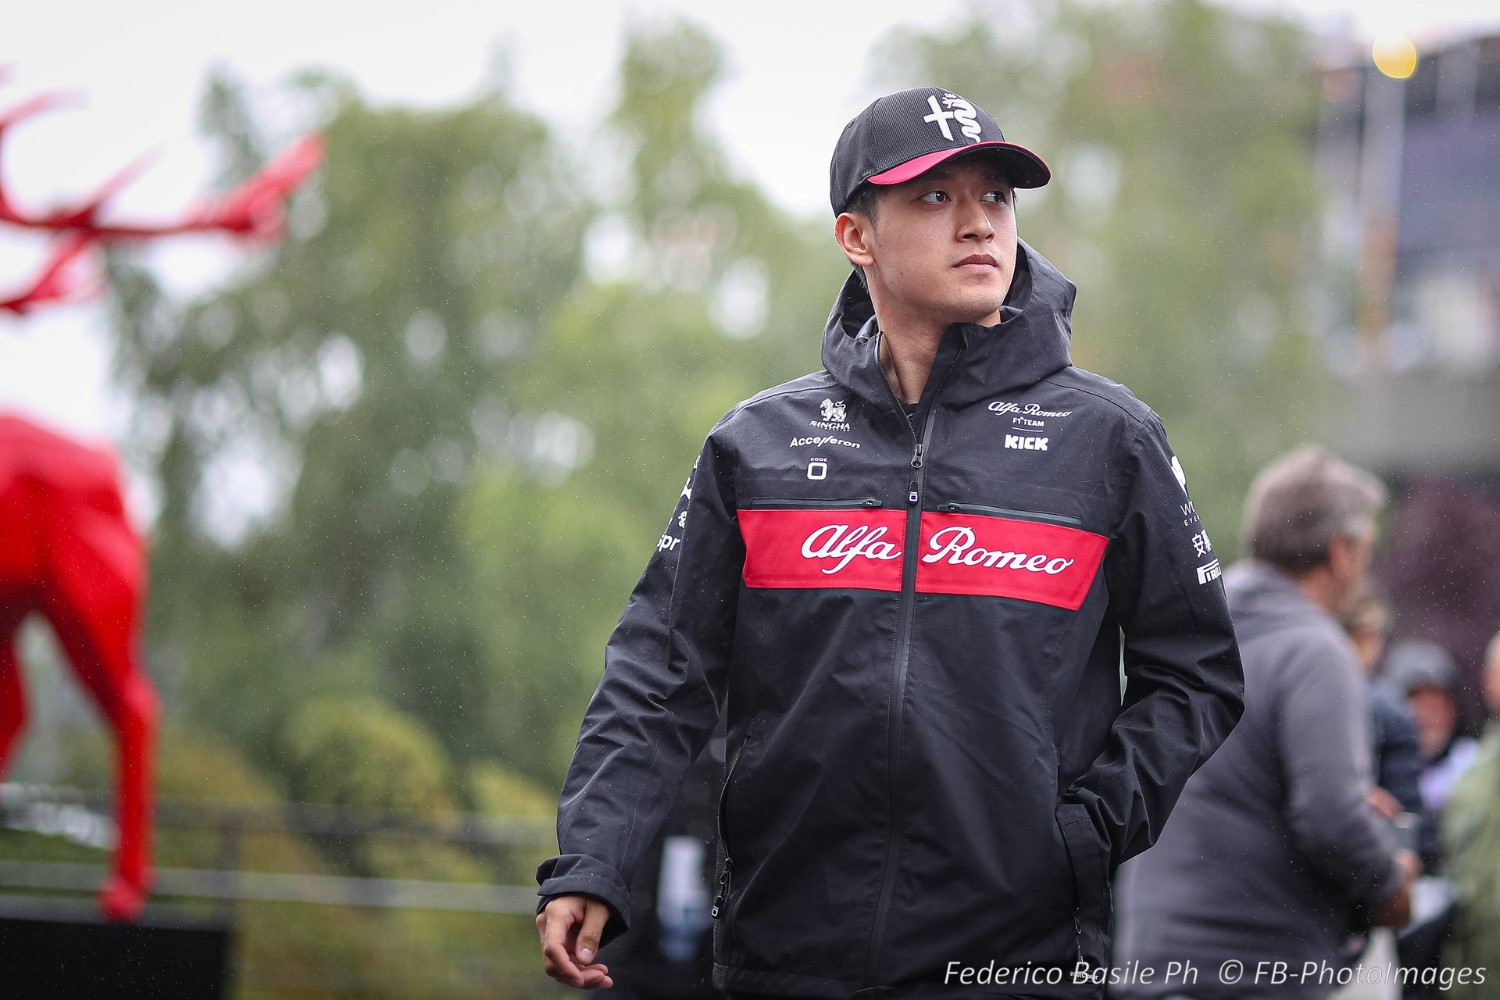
{"x":1395,"y":55}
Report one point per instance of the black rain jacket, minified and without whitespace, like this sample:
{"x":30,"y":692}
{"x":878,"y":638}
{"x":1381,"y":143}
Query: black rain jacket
{"x":917,"y":628}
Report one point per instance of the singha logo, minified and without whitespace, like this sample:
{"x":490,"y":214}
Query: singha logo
{"x":833,"y":412}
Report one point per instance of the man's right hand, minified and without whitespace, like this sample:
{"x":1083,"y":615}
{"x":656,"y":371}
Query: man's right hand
{"x":1396,"y":911}
{"x":570,"y":927}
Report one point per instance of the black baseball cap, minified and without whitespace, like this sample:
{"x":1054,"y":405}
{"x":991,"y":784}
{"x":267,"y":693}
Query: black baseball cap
{"x":903,"y":135}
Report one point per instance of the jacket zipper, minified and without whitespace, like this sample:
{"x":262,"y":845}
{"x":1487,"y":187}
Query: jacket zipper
{"x":903,"y":658}
{"x":772,"y":502}
{"x":1025,"y":515}
{"x":721,"y":894}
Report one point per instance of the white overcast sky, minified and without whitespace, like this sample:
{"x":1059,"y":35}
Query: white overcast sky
{"x":797,"y":73}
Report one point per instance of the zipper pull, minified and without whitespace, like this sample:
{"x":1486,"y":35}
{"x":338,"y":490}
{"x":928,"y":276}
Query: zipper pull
{"x":913,"y":496}
{"x":718,"y":908}
{"x":916,"y":458}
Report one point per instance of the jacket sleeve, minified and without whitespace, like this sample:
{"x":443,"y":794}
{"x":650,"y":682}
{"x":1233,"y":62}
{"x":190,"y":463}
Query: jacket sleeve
{"x":1184,"y":688}
{"x":658,"y":700}
{"x":1322,"y":740}
{"x":1398,"y":766}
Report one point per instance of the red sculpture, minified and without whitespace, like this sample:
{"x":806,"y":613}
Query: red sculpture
{"x":67,"y":550}
{"x":68,"y":553}
{"x":253,"y":210}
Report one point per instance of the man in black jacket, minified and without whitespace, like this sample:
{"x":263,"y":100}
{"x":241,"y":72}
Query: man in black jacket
{"x":911,"y":581}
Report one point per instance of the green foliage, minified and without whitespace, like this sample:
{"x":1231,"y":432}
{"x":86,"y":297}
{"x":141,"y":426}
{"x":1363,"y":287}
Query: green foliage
{"x":361,"y":753}
{"x":499,"y":791}
{"x":355,"y":374}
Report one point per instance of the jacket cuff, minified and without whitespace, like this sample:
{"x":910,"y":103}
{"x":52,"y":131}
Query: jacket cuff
{"x":569,"y":874}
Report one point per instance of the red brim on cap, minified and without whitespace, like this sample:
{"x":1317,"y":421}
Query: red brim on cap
{"x":1025,"y":168}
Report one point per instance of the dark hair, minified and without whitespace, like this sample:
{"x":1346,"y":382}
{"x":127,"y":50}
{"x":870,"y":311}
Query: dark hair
{"x":1301,"y":502}
{"x":864,"y":200}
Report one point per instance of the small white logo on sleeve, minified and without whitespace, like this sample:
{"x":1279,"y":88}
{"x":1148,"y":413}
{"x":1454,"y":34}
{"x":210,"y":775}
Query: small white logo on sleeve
{"x":1177,"y":471}
{"x":1025,"y":442}
{"x":1209,"y":573}
{"x":1201,"y":545}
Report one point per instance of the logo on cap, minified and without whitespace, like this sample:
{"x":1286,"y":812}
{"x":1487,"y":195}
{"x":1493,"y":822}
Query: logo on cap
{"x":959,"y":110}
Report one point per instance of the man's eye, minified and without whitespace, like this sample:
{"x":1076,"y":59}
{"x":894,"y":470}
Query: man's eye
{"x":999,"y":197}
{"x":935,"y":197}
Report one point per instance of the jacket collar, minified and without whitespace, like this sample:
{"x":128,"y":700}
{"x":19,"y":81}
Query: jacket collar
{"x":1031,"y":342}
{"x":1264,"y":599}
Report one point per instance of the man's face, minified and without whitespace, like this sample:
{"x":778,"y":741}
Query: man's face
{"x":942,"y":248}
{"x":1491,"y":678}
{"x":1435,"y":715}
{"x":1349,"y":559}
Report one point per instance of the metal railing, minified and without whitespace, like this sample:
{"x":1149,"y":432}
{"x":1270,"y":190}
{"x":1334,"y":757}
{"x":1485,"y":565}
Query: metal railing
{"x":494,"y":854}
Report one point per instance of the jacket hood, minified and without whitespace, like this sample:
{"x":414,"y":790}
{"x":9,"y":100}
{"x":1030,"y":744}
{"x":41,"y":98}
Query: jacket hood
{"x":1263,"y":599}
{"x":1031,"y":342}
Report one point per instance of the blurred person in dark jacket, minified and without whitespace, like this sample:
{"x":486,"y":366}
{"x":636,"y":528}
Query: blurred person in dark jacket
{"x":1396,"y":749}
{"x":1274,"y":854}
{"x":1423,"y":673}
{"x":1397,"y":794}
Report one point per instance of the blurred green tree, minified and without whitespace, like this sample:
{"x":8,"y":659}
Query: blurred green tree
{"x":313,"y":425}
{"x":1183,"y":205}
{"x":701,"y":293}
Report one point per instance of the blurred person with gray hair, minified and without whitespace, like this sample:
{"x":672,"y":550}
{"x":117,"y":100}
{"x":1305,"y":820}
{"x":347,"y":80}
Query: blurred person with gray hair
{"x":1274,"y":853}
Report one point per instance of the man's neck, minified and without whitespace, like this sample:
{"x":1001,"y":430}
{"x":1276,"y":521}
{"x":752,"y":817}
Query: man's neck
{"x":907,"y":361}
{"x":1319,"y":586}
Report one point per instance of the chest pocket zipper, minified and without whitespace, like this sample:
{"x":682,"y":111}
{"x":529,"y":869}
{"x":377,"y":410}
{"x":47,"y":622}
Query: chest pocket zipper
{"x":1025,"y":515}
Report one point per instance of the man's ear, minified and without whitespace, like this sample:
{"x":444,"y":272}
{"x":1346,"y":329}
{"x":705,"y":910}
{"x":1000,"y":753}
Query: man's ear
{"x":853,"y":231}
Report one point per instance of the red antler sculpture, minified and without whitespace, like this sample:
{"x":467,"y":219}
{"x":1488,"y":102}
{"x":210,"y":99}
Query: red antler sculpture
{"x":254,"y":210}
{"x":67,"y":550}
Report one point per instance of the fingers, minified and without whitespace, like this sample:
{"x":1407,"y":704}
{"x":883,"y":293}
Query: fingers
{"x":1384,"y":803}
{"x":565,"y":926}
{"x":595,"y":916}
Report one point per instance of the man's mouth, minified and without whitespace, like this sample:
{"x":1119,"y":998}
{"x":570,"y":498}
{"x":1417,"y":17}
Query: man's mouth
{"x":978,"y":258}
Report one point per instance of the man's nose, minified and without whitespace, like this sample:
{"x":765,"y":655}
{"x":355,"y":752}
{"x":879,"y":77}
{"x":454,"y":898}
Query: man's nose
{"x":974,"y":221}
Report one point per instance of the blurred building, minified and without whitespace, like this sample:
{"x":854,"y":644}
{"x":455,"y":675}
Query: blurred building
{"x":1411,"y":305}
{"x":1409,"y":160}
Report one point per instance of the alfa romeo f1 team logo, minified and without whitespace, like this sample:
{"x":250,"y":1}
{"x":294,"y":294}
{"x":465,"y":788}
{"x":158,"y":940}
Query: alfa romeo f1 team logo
{"x":957,"y":109}
{"x":863,"y":549}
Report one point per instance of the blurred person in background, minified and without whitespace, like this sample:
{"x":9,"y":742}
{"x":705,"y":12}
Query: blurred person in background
{"x":1423,"y":673}
{"x":1274,"y":852}
{"x":1397,"y":793}
{"x":1471,"y":840}
{"x":1396,"y":749}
